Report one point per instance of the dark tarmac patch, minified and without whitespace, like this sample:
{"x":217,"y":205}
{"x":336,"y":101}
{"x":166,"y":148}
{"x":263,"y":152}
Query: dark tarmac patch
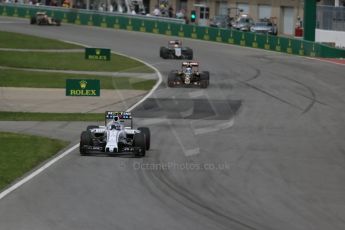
{"x":188,"y":109}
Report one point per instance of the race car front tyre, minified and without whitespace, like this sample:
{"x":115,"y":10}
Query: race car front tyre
{"x":172,"y":78}
{"x":139,"y":141}
{"x":164,"y":52}
{"x":33,"y":20}
{"x":92,"y":127}
{"x":147,"y":133}
{"x":85,"y":139}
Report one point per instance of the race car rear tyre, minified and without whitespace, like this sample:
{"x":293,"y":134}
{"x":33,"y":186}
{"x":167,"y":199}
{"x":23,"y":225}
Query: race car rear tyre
{"x":206,"y":74}
{"x":147,"y":133}
{"x":204,"y":79}
{"x":204,"y":84}
{"x":189,"y":54}
{"x":139,"y":141}
{"x":91,"y":127}
{"x":58,"y":22}
{"x":85,"y":139}
{"x":164,"y":52}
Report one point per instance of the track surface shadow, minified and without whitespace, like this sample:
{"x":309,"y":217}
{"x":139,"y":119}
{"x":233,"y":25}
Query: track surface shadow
{"x":188,"y":109}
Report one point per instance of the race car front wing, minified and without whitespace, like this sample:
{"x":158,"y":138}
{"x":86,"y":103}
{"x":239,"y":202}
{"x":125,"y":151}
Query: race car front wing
{"x":99,"y":149}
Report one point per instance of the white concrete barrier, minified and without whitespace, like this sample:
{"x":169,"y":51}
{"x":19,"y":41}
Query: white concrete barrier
{"x":337,"y":37}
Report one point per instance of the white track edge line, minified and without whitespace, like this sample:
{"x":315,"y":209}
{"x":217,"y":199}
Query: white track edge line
{"x":325,"y":60}
{"x":60,"y":156}
{"x":160,"y":78}
{"x":36,"y":172}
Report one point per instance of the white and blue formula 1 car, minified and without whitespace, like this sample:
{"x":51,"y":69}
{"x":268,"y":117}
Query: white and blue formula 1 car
{"x":116,"y":137}
{"x":176,"y":51}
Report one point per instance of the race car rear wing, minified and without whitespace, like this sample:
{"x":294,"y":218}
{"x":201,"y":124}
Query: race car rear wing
{"x":175,"y":42}
{"x":125,"y":117}
{"x":190,"y":64}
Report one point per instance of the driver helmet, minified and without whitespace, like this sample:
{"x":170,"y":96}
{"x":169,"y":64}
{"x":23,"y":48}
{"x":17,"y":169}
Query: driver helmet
{"x":188,"y":70}
{"x":116,"y":119}
{"x":116,"y":126}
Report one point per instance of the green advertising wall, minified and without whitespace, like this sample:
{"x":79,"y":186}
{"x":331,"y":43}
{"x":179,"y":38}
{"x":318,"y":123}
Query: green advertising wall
{"x":267,"y":42}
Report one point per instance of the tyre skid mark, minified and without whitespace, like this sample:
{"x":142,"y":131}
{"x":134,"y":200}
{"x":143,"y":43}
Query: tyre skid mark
{"x":201,"y":207}
{"x":311,"y":98}
{"x":311,"y":91}
{"x":271,"y":95}
{"x":257,"y":75}
{"x":190,"y":200}
{"x":164,"y":194}
{"x":121,"y":102}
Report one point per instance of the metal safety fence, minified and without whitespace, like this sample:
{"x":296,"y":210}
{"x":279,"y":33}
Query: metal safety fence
{"x":331,"y":18}
{"x":172,"y":28}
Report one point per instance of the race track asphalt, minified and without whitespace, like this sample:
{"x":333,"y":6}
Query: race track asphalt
{"x":261,"y":149}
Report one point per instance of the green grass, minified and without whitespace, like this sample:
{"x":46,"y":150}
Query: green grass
{"x":60,"y":61}
{"x":69,"y":61}
{"x":20,"y":153}
{"x":22,"y":41}
{"x":19,"y":78}
{"x":24,"y":116}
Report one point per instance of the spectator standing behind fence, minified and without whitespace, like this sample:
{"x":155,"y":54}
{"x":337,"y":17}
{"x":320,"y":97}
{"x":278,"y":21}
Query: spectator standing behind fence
{"x":156,"y":11}
{"x":110,"y":8}
{"x":66,"y":4}
{"x":299,"y":22}
{"x":180,"y":14}
{"x":101,"y":7}
{"x":53,"y":3}
{"x":171,"y":12}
